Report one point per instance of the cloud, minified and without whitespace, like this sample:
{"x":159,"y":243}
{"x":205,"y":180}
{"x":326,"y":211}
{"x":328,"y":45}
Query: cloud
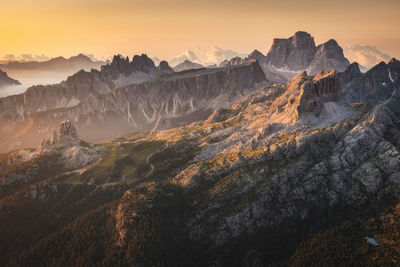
{"x":366,"y":55}
{"x":25,"y":57}
{"x":32,"y":57}
{"x":9,"y":57}
{"x":206,"y":56}
{"x":186,"y":55}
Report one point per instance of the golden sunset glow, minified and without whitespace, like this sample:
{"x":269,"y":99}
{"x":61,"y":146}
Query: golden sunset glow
{"x":166,"y":28}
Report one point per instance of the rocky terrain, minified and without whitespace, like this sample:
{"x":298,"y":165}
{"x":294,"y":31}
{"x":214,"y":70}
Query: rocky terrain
{"x":6,"y":81}
{"x":102,"y":110}
{"x":290,"y":170}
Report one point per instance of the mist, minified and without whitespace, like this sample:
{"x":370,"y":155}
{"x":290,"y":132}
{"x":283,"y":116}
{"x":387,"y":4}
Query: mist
{"x":29,"y":78}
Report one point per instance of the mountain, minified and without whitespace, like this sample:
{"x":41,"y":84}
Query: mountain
{"x":299,"y":53}
{"x":302,"y":173}
{"x":294,"y":53}
{"x":288,"y":57}
{"x":58,"y":64}
{"x":232,"y":62}
{"x":6,"y":81}
{"x":187,"y":65}
{"x":102,"y":105}
{"x":328,"y":55}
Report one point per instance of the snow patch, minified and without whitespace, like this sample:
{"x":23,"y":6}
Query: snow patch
{"x":390,"y":76}
{"x":371,"y":241}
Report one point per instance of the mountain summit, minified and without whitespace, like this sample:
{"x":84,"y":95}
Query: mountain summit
{"x":299,"y":53}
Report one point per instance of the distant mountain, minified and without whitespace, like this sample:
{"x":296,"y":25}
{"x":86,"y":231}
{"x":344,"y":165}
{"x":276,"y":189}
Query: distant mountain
{"x":299,"y":53}
{"x":288,"y":57}
{"x":57,"y":64}
{"x":187,"y":65}
{"x":6,"y":81}
{"x":232,"y":62}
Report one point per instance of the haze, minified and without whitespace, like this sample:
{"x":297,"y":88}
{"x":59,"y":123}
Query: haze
{"x":166,"y":28}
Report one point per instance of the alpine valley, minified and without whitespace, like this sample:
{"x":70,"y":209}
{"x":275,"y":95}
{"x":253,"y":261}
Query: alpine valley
{"x":289,"y":158}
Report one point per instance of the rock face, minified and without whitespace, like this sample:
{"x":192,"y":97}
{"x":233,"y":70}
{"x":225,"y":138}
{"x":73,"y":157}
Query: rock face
{"x":187,"y":65}
{"x":294,"y":53}
{"x":299,"y":53}
{"x":6,"y":81}
{"x":179,"y":97}
{"x":328,"y":56}
{"x":378,"y":84}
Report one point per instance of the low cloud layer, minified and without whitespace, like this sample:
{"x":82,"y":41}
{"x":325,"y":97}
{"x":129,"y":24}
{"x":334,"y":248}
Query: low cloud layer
{"x":24,"y":57}
{"x":206,"y":56}
{"x":366,"y":55}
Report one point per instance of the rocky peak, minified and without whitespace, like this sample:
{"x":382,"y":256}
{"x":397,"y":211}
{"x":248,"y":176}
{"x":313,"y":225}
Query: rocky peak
{"x":164,"y":67}
{"x":353,"y":69}
{"x":331,"y":49}
{"x":294,"y":53}
{"x":328,"y":55}
{"x":232,"y":62}
{"x":67,"y":133}
{"x":256,"y":55}
{"x":300,"y":53}
{"x":119,"y":64}
{"x":142,"y":63}
{"x":302,"y":40}
{"x":80,"y":57}
{"x":187,"y":65}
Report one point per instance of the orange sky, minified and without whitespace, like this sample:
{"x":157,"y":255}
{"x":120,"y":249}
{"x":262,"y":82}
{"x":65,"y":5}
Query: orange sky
{"x":166,"y":28}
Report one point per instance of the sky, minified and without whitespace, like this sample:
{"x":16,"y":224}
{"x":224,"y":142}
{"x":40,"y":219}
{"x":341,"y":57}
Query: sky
{"x":166,"y":28}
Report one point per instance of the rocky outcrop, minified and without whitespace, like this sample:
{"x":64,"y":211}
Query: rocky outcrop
{"x":187,"y":65}
{"x":7,"y":81}
{"x":66,"y":134}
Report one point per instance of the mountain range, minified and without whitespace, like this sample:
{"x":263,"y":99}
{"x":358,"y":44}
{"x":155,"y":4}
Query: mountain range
{"x":143,"y":165}
{"x":58,"y":64}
